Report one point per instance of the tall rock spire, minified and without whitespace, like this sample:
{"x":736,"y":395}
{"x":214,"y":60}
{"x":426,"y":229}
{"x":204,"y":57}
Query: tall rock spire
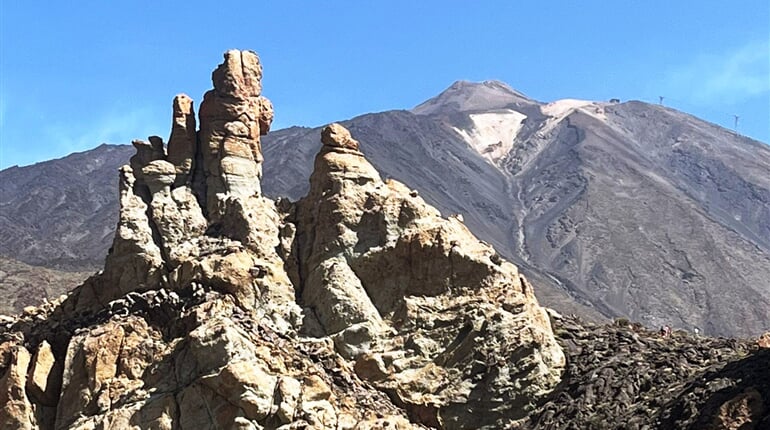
{"x":207,"y":178}
{"x":233,"y":116}
{"x":183,"y":143}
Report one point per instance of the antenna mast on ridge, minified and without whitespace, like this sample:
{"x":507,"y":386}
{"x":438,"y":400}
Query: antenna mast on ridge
{"x":735,"y":127}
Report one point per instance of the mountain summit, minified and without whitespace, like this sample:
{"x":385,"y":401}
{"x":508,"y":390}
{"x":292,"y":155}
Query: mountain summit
{"x":465,"y":96}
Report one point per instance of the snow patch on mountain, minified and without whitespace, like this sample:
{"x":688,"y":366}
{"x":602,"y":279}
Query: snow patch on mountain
{"x":561,"y":108}
{"x":493,"y":133}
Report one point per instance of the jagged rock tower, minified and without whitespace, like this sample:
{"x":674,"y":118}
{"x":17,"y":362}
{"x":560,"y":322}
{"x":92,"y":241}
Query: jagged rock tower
{"x":357,"y":307}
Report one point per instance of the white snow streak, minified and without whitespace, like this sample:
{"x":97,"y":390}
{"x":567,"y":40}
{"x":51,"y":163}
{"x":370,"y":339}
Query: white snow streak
{"x":493,"y":133}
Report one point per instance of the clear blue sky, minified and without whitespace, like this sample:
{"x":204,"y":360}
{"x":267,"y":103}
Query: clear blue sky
{"x":76,"y":74}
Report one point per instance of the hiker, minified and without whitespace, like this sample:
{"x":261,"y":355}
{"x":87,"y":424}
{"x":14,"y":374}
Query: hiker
{"x":665,"y":331}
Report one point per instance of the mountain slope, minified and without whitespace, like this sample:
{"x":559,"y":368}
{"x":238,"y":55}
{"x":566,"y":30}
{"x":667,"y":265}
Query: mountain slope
{"x":22,"y":285}
{"x":61,"y":213}
{"x":643,"y":213}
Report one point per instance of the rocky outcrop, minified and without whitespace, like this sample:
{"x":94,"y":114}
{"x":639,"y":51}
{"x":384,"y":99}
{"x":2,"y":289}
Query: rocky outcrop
{"x":183,"y":143}
{"x":764,"y":340}
{"x":357,"y":307}
{"x":429,"y":314}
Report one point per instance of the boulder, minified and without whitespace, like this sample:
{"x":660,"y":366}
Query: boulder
{"x":16,"y":411}
{"x":764,"y":340}
{"x":337,"y":136}
{"x":45,"y":375}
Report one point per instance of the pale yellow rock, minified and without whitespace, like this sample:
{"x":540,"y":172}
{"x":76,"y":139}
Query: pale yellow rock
{"x":374,"y":252}
{"x":266,"y":115}
{"x":135,"y":261}
{"x":315,"y":402}
{"x":201,"y":408}
{"x":105,"y":367}
{"x":44,"y":376}
{"x":289,"y":390}
{"x":232,"y":117}
{"x":16,"y":412}
{"x":179,"y":219}
{"x":158,"y":175}
{"x":336,"y":135}
{"x":146,"y":152}
{"x":314,"y":388}
{"x":232,"y":273}
{"x":247,"y":385}
{"x":338,"y":295}
{"x":371,"y":367}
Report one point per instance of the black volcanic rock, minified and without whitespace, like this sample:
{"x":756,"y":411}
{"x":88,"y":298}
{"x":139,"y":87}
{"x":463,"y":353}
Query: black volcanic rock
{"x":623,"y":376}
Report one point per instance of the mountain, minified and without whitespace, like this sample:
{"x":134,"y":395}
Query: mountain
{"x":465,"y":96}
{"x":634,"y":209}
{"x":23,"y":285}
{"x":615,"y":209}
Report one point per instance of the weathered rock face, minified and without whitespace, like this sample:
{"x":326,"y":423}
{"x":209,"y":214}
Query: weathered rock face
{"x":358,"y":307}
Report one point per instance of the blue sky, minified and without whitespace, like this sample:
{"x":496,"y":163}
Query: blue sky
{"x":76,"y":74}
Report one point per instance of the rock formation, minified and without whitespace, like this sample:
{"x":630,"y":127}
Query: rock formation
{"x":233,"y":117}
{"x":429,"y":314}
{"x":357,"y":307}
